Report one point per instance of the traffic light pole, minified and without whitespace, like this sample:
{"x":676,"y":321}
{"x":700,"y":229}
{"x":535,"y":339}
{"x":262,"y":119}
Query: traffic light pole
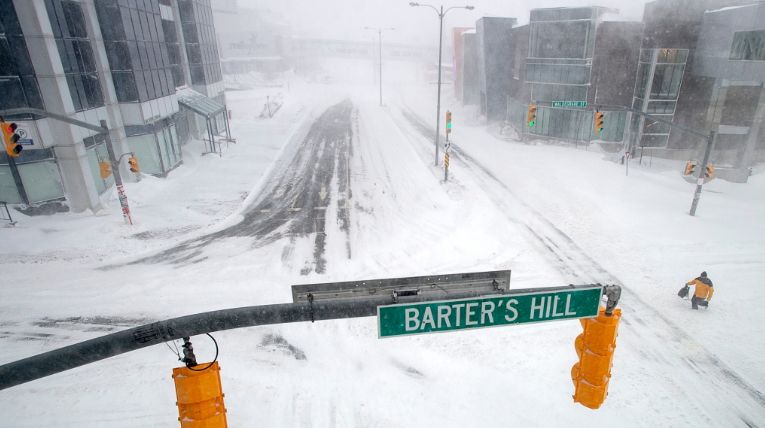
{"x":702,"y":171}
{"x":314,"y":309}
{"x":103,"y":129}
{"x":438,"y":102}
{"x":117,"y":177}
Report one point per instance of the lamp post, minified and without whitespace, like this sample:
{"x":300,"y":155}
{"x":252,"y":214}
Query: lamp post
{"x":441,"y":13}
{"x":379,"y":38}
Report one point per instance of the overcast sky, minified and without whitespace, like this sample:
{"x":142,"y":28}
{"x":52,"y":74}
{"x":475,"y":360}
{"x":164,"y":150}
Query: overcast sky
{"x":346,"y":19}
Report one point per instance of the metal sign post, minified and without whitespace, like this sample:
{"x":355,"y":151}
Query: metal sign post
{"x":117,"y":177}
{"x":702,"y":171}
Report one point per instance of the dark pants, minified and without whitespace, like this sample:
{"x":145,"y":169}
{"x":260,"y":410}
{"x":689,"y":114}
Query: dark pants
{"x":696,"y":301}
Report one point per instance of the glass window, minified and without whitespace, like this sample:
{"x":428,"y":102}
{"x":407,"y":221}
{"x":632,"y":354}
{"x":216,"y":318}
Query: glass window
{"x":97,"y":154}
{"x":124,"y":85}
{"x":8,"y":191}
{"x":75,"y":20}
{"x":748,"y":45}
{"x":661,"y":107}
{"x":558,"y":39}
{"x":666,"y":81}
{"x":42,"y":181}
{"x":145,"y":149}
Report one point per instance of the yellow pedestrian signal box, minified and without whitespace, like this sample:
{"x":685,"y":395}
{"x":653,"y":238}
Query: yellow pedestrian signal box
{"x":599,"y":121}
{"x":105,"y":169}
{"x":11,"y":139}
{"x":710,"y":172}
{"x":690,"y":168}
{"x":595,"y":348}
{"x":200,"y":396}
{"x":133,"y":162}
{"x":531,"y":116}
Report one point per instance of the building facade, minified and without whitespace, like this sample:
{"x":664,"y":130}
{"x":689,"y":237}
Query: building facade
{"x":120,"y":61}
{"x":494,"y":59}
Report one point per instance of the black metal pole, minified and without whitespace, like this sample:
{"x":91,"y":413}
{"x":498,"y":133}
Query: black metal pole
{"x":90,"y":351}
{"x":438,"y":103}
{"x":702,"y":171}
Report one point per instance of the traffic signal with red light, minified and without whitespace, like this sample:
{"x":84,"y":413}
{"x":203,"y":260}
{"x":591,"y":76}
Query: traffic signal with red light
{"x":531,"y":116}
{"x":448,"y":121}
{"x":690,"y":168}
{"x":11,"y":139}
{"x":133,"y":162}
{"x":599,"y":122}
{"x":595,"y":348}
{"x":105,"y":169}
{"x":710,"y":171}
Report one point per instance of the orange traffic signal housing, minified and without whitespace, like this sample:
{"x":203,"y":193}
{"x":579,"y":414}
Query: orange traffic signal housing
{"x":710,"y":172}
{"x":448,"y":121}
{"x":531,"y":116}
{"x":200,"y":396}
{"x":598,"y":121}
{"x":595,"y":348}
{"x":11,"y":139}
{"x":133,"y":162}
{"x":690,"y":167}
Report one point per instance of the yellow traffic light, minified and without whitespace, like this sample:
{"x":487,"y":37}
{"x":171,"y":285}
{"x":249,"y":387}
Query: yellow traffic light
{"x":531,"y":116}
{"x":599,"y":121}
{"x":595,"y":348}
{"x":105,"y":169}
{"x":690,"y":168}
{"x":133,"y":162}
{"x":448,"y":121}
{"x":710,"y":172}
{"x":11,"y":139}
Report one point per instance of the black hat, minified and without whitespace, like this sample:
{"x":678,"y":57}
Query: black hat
{"x":704,"y":274}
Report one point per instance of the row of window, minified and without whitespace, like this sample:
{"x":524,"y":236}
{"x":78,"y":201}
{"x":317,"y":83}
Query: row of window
{"x":71,"y":35}
{"x":571,"y":39}
{"x":18,"y":84}
{"x":748,"y":45}
{"x":201,"y":46}
{"x":554,"y":73}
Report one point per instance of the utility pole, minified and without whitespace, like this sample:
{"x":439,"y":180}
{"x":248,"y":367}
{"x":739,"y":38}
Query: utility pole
{"x":379,"y":42}
{"x":441,"y":13}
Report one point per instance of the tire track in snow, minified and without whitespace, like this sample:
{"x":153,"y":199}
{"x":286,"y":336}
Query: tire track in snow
{"x":572,"y":261}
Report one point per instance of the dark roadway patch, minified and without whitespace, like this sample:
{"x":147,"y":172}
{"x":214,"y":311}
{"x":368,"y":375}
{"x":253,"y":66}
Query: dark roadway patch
{"x":296,"y":200}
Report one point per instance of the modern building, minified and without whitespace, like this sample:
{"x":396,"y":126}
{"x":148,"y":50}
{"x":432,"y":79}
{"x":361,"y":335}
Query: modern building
{"x":706,"y":71}
{"x":494,"y":59}
{"x":469,"y":90}
{"x":457,"y":58}
{"x":572,"y":55}
{"x":141,"y":66}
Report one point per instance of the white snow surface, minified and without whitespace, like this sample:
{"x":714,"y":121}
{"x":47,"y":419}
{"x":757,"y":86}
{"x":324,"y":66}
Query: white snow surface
{"x":554,"y":214}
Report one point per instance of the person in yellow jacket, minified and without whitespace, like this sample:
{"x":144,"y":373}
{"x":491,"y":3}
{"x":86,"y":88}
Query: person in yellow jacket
{"x":702,"y":292}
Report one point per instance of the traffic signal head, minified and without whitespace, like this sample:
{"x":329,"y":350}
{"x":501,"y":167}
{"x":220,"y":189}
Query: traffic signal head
{"x":595,"y":348}
{"x":105,"y":169}
{"x":710,"y":172}
{"x":690,"y":167}
{"x":11,"y":139}
{"x":598,"y":121}
{"x":448,"y":121}
{"x":133,"y":162}
{"x":531,"y":117}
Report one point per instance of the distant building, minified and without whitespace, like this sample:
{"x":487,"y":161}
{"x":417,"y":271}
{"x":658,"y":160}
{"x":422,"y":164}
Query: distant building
{"x":494,"y":60}
{"x":131,"y":64}
{"x":470,"y":91}
{"x":457,"y":58}
{"x":705,"y":71}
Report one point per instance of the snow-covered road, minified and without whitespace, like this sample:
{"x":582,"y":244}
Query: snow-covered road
{"x":502,"y":208}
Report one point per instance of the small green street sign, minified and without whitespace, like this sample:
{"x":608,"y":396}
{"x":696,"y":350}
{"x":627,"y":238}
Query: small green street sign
{"x":462,"y":314}
{"x":569,"y":103}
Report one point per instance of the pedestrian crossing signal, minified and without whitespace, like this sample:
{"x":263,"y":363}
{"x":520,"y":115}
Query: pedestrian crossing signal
{"x":531,"y":117}
{"x":599,"y":122}
{"x":105,"y":169}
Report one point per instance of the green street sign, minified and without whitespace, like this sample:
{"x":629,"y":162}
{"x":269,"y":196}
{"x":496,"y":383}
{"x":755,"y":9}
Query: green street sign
{"x":569,"y":103}
{"x":492,"y":311}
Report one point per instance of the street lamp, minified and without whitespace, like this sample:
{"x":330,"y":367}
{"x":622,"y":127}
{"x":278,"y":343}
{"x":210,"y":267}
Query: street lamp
{"x":441,"y":13}
{"x":379,"y":35}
